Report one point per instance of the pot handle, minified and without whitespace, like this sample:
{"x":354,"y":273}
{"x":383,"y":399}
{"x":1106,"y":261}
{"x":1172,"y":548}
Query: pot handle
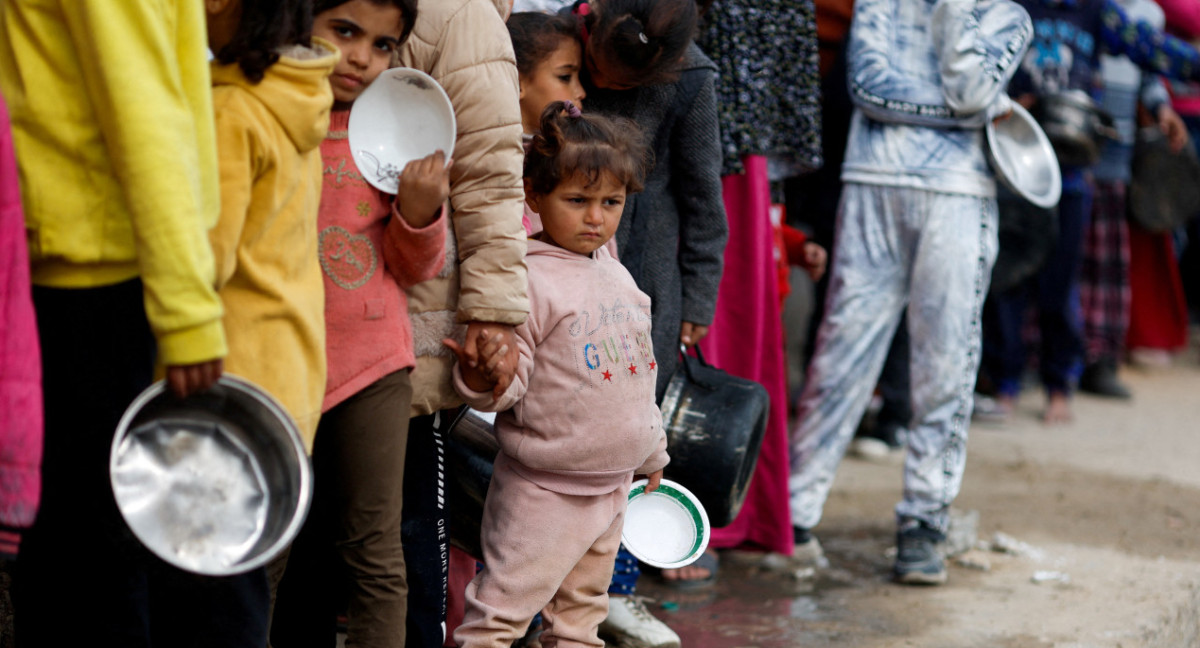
{"x":686,"y":363}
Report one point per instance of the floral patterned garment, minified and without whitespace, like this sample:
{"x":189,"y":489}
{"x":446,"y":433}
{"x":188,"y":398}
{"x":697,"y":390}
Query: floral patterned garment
{"x":768,"y":96}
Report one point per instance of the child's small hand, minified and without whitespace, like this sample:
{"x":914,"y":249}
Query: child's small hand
{"x":653,"y":480}
{"x":485,"y":364}
{"x":815,"y":259}
{"x":424,"y":187}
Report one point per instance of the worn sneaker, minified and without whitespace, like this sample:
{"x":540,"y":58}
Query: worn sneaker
{"x":1100,"y":378}
{"x":630,"y":625}
{"x":807,"y":549}
{"x":918,"y":557}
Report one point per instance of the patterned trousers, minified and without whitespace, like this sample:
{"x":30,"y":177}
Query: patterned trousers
{"x":1104,"y":274}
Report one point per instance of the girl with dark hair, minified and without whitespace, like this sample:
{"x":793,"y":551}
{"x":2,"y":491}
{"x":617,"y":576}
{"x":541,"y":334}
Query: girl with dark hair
{"x":549,"y":60}
{"x":271,"y":100}
{"x":632,"y":43}
{"x":252,"y":31}
{"x":371,"y":246}
{"x":555,"y":507}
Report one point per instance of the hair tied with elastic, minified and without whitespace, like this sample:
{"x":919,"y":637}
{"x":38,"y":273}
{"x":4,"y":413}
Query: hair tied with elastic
{"x":642,"y":37}
{"x":572,"y":109}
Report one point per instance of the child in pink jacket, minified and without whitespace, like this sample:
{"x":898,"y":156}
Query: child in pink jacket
{"x":579,"y":420}
{"x":20,"y":363}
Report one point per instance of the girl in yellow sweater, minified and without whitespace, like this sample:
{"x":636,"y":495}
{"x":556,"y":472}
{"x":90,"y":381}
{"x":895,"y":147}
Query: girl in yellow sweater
{"x":272,"y":99}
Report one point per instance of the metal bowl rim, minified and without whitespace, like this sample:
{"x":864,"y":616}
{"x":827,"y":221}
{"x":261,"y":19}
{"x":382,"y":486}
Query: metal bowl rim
{"x":245,"y":387}
{"x":1055,"y":192}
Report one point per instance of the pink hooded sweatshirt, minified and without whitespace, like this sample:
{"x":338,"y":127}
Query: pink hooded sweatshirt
{"x":580,"y":416}
{"x":20,"y":363}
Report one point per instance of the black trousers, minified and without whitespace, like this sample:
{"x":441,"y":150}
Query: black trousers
{"x":426,"y":532}
{"x":82,"y":578}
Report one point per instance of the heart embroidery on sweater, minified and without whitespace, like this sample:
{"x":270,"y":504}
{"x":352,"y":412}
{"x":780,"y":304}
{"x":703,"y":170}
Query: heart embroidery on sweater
{"x":349,"y":260}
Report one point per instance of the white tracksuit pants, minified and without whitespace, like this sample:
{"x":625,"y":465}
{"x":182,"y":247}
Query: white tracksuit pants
{"x":898,"y":248}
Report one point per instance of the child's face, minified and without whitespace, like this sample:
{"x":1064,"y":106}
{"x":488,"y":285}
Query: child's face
{"x":578,"y":217}
{"x":600,"y":74}
{"x":367,"y":35}
{"x":556,"y":78}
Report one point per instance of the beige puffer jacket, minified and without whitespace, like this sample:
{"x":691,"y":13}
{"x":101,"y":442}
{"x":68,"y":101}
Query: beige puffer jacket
{"x":465,"y":46}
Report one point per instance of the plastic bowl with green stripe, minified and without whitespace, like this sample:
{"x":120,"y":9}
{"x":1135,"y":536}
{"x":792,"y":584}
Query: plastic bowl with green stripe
{"x":667,"y":528}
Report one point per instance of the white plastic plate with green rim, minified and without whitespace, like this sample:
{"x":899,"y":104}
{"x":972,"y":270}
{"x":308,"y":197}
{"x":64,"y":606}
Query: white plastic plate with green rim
{"x":667,"y":528}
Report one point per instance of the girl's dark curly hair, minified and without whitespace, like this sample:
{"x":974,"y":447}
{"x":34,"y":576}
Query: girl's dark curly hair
{"x":641,"y":41}
{"x":591,"y":145}
{"x":264,"y":28}
{"x":535,"y":35}
{"x":408,"y":11}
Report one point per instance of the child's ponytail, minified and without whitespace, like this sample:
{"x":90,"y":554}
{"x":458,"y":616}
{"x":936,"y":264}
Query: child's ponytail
{"x":641,"y":41}
{"x":571,"y":143}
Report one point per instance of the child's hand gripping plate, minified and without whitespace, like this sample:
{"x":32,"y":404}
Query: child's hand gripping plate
{"x":403,"y":116}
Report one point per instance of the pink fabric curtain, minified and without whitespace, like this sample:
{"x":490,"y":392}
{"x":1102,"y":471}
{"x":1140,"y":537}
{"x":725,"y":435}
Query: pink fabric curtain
{"x":746,"y":339}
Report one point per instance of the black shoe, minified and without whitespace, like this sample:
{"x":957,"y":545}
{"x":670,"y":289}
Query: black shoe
{"x":1100,"y":378}
{"x":918,"y":559}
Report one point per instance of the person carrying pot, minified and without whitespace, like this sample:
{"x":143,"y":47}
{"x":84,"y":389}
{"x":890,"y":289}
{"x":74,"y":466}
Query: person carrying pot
{"x":1057,"y":79}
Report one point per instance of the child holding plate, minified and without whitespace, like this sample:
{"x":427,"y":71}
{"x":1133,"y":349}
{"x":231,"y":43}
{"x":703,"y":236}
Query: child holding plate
{"x":579,"y":420}
{"x":371,"y":247}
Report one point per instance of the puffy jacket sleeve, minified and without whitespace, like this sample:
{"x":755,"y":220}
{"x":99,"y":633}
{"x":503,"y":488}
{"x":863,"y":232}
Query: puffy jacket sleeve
{"x":163,"y":153}
{"x":470,"y":54}
{"x":978,"y":45}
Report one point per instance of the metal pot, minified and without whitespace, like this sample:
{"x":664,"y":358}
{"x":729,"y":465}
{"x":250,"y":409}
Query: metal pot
{"x":1023,"y":158}
{"x":1076,"y":126}
{"x":715,"y":424}
{"x":471,"y":448}
{"x":217,"y":483}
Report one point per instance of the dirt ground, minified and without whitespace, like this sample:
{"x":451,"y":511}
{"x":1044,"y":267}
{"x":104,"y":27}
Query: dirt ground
{"x":1101,"y":518}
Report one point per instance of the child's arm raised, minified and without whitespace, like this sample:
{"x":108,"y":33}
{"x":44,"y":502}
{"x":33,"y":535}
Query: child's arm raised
{"x":979,"y":44}
{"x":415,"y":239}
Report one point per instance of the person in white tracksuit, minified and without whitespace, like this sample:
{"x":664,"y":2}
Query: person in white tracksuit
{"x":916,"y":233}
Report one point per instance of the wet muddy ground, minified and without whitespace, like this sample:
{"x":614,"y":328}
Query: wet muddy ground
{"x":1101,"y":520}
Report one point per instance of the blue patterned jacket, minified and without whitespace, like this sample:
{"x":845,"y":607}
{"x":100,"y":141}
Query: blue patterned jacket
{"x":925,"y":77}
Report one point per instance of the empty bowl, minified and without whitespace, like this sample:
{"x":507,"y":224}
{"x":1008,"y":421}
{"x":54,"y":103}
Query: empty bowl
{"x":217,"y":483}
{"x":667,"y":528}
{"x":1023,"y":159}
{"x":403,"y":116}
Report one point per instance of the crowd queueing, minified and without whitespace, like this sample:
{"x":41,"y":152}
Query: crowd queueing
{"x":180,"y":200}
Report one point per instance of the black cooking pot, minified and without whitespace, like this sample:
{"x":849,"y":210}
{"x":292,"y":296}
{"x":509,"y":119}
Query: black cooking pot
{"x":1075,"y":125}
{"x":715,"y":424}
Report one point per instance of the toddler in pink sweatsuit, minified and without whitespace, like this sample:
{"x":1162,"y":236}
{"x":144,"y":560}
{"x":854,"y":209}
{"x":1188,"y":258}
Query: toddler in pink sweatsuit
{"x":578,"y":420}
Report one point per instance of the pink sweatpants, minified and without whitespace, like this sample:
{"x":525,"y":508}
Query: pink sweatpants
{"x":543,"y":551}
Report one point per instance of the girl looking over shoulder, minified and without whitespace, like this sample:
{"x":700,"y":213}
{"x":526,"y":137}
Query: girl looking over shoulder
{"x":372,"y":246}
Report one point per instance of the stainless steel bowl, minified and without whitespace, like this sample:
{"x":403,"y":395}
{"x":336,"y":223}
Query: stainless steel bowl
{"x":217,"y":483}
{"x":1075,"y":126}
{"x":1023,"y":159}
